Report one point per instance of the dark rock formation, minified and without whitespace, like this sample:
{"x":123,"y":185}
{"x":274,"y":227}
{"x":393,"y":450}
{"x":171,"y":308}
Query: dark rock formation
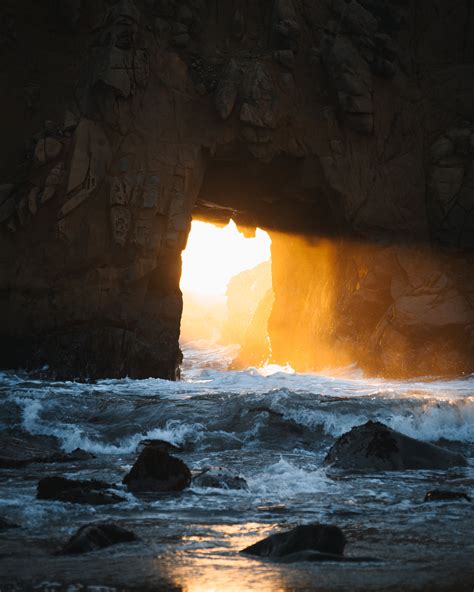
{"x":156,"y":471}
{"x":99,"y":535}
{"x":375,"y":447}
{"x":439,"y":495}
{"x":322,"y":538}
{"x":349,"y":124}
{"x":91,"y":491}
{"x":18,"y":449}
{"x":219,"y":478}
{"x":6,"y":524}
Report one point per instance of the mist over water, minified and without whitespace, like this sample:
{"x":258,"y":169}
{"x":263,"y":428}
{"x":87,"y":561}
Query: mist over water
{"x":274,"y":427}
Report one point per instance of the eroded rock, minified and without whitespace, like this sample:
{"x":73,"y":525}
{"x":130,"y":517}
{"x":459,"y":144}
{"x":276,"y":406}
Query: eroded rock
{"x":376,"y":447}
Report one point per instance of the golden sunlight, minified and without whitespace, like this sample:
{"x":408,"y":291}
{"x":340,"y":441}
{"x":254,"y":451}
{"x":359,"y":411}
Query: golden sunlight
{"x":214,"y":255}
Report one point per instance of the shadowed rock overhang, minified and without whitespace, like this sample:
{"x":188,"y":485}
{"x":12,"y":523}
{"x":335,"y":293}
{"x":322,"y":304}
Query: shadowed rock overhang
{"x":345,"y":129}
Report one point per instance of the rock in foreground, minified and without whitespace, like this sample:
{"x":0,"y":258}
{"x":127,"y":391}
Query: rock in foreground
{"x":442,"y":495}
{"x":157,"y":471}
{"x":376,"y":447}
{"x":92,"y":537}
{"x":91,"y":491}
{"x":323,"y":538}
{"x":219,"y":478}
{"x":18,"y":449}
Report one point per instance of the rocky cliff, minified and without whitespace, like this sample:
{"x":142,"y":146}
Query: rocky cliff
{"x":348,"y":125}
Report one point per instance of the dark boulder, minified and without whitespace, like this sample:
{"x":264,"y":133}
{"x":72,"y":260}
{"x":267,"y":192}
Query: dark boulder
{"x":376,"y":447}
{"x":321,"y":538}
{"x":157,"y":471}
{"x":19,"y":448}
{"x":219,"y":478}
{"x":92,"y":537}
{"x":79,"y":492}
{"x":438,"y":495}
{"x":5,"y":524}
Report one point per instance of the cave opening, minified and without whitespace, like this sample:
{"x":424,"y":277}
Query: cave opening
{"x":226,"y":282}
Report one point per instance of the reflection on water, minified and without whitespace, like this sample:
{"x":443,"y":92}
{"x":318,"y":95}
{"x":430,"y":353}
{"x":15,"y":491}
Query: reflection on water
{"x":212,"y":562}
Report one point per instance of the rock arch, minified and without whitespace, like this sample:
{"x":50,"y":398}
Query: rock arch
{"x":331,"y":121}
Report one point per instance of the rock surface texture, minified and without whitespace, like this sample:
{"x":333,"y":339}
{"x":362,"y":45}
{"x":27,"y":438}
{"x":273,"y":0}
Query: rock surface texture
{"x":99,"y":535}
{"x":90,"y":491}
{"x":321,"y":538}
{"x":156,"y":471}
{"x":375,"y":447}
{"x":349,"y":124}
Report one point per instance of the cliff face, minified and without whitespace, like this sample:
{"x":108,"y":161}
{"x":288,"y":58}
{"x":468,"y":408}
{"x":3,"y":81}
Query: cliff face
{"x":348,"y":123}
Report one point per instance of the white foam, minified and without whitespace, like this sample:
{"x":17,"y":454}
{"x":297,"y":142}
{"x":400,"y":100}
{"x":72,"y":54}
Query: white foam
{"x":284,"y":480}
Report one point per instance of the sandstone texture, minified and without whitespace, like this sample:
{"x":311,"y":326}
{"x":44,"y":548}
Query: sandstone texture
{"x":346,"y":125}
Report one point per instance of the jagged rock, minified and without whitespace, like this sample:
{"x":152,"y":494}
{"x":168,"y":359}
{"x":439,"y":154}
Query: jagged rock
{"x":356,"y":19}
{"x":98,"y":535}
{"x":438,"y":495}
{"x":47,"y":150}
{"x":92,"y":491}
{"x":259,"y":106}
{"x":219,"y":478}
{"x":156,"y":471}
{"x":18,"y":449}
{"x":376,"y":447}
{"x":227,"y":91}
{"x":322,"y":538}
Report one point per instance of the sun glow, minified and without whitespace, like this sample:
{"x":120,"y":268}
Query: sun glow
{"x":214,"y":255}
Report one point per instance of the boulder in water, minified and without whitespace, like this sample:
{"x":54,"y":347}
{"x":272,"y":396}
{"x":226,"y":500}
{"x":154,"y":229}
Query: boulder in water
{"x":19,"y":448}
{"x":219,"y":478}
{"x":439,"y":495}
{"x":99,"y":535}
{"x":322,"y":538}
{"x":156,"y":471}
{"x":376,"y":447}
{"x":91,"y":491}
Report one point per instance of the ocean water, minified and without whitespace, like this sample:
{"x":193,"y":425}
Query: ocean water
{"x":273,"y":427}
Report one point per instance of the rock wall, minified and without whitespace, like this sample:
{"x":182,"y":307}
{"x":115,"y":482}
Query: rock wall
{"x":345,"y":121}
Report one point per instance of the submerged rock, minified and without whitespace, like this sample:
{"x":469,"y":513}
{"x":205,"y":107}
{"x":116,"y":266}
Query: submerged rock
{"x":19,"y":448}
{"x":438,"y":495}
{"x":322,"y":538}
{"x":92,"y":537}
{"x":157,"y":471}
{"x":376,"y":447}
{"x":5,"y":524}
{"x":90,"y":491}
{"x":219,"y":478}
